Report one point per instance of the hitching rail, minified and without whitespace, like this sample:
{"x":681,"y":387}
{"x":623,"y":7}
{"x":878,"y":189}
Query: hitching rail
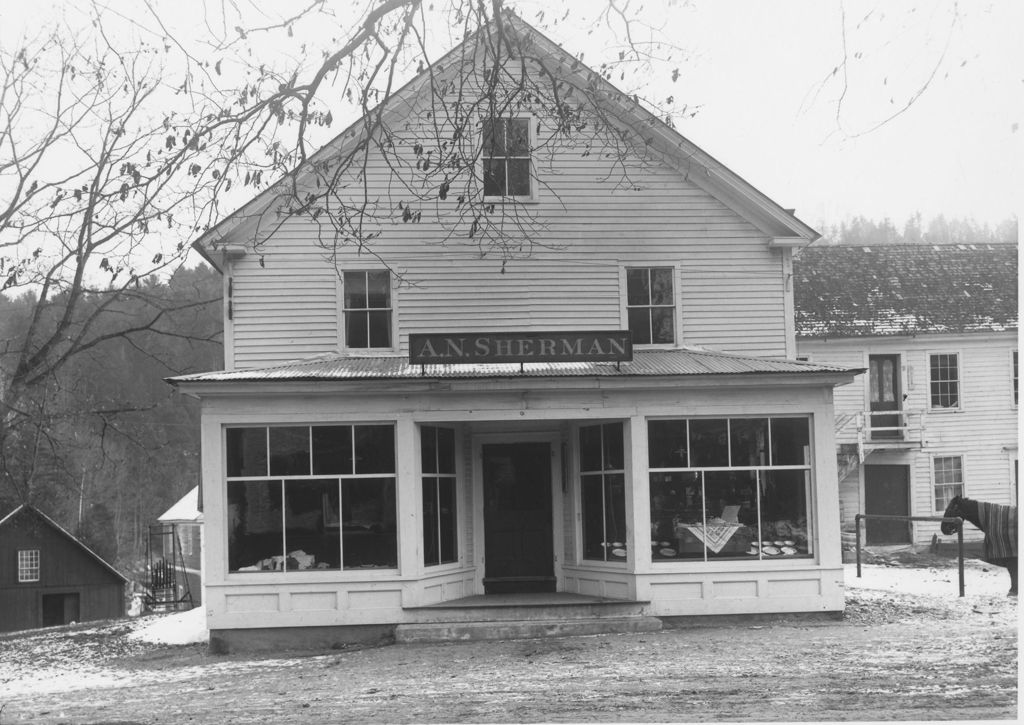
{"x":952,"y":519}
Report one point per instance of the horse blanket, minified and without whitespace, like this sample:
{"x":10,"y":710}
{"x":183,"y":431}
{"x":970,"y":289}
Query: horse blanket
{"x":1000,"y":526}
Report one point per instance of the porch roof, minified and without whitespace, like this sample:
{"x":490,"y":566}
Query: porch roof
{"x":646,"y":363}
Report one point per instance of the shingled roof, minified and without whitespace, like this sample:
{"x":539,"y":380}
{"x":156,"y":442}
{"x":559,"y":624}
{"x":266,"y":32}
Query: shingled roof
{"x":904,"y":289}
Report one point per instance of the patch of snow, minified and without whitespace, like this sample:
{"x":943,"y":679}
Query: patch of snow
{"x":178,"y":628}
{"x":931,"y":581}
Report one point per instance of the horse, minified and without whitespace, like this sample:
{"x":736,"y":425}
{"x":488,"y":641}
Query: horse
{"x":999,"y":524}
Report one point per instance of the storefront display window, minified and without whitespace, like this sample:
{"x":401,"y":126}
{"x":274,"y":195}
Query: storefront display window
{"x":603,"y":492}
{"x":440,"y":537}
{"x":311,"y":497}
{"x":729,"y":488}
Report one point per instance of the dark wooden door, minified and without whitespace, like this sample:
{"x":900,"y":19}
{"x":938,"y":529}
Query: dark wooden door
{"x":884,"y":379}
{"x":887,"y":492}
{"x":518,"y":550}
{"x":60,"y":609}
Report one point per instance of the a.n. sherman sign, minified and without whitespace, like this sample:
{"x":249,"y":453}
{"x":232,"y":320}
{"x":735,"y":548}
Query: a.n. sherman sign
{"x":521,"y":347}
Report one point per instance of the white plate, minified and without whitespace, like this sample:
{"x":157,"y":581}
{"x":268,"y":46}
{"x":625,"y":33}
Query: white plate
{"x":619,"y":552}
{"x":770,"y":551}
{"x":788,"y":550}
{"x":667,"y":552}
{"x":779,"y":542}
{"x":753,"y":551}
{"x":664,"y":543}
{"x":789,"y":542}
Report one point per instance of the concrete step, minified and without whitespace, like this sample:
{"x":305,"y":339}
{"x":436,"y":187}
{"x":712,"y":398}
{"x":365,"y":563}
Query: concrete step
{"x":522,"y":629}
{"x":438,"y":613}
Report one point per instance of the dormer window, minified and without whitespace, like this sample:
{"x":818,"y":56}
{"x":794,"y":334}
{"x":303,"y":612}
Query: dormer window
{"x":650,"y":305}
{"x":367,"y":296}
{"x":506,"y":158}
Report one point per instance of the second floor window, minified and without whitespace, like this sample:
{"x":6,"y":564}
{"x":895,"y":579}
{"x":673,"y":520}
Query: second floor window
{"x":650,"y":305}
{"x":367,"y":309}
{"x":28,"y":565}
{"x":506,"y":157}
{"x":944,"y":376}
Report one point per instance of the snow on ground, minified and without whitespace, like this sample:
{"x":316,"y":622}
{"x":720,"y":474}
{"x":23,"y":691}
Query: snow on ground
{"x":979,"y":580}
{"x":178,"y":628}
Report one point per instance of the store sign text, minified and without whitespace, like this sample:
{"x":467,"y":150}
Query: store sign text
{"x":504,"y":347}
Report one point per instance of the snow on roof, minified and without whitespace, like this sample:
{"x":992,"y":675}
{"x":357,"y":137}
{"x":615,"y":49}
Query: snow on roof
{"x":186,"y":509}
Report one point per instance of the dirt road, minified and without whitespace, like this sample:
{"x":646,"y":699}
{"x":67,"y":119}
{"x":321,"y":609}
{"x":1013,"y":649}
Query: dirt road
{"x":893,"y":657}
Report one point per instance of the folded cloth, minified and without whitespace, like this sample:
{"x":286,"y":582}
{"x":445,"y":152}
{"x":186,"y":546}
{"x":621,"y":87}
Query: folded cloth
{"x":714,"y":536}
{"x":1000,"y":526}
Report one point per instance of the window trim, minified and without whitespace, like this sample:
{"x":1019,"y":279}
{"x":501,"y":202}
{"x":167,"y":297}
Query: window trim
{"x":1014,"y":380}
{"x":931,"y":475}
{"x":343,"y":345}
{"x":580,"y":473}
{"x":29,"y":560}
{"x":677,"y":316}
{"x":534,"y":196}
{"x":932,"y":408}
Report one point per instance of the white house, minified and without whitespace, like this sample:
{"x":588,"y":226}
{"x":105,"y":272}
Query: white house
{"x":936,"y":415}
{"x":613,"y":421}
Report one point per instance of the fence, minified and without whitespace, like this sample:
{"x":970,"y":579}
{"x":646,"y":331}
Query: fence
{"x":950,"y":519}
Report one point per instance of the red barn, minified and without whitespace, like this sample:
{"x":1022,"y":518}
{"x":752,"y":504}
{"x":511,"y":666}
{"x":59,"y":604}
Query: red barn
{"x":48,"y":577}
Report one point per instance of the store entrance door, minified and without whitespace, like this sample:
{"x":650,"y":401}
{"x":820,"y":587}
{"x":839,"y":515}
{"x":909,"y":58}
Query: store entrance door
{"x":518,"y":546}
{"x":887,"y":491}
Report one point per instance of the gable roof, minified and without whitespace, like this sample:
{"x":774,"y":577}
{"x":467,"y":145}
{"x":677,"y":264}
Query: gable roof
{"x":29,"y":510}
{"x":905,"y":289}
{"x":778,"y":223}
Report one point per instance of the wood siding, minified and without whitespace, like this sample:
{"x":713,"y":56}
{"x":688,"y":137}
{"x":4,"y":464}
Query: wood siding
{"x":583,"y":229}
{"x":984,"y":430}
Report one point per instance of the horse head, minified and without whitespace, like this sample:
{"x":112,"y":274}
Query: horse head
{"x":948,"y":527}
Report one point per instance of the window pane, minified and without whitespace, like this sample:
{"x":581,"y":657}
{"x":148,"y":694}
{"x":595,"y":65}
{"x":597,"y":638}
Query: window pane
{"x":446,"y":450}
{"x":784,"y":529}
{"x":615,"y":515}
{"x":614,"y":459}
{"x":518,"y":137}
{"x":494,"y":177}
{"x":638,"y":291}
{"x":661,"y":286}
{"x":494,"y":137}
{"x":380,"y":328}
{"x":519,"y":177}
{"x":709,"y":442}
{"x":247,"y":452}
{"x":731,"y":514}
{"x":332,"y":449}
{"x":357,"y":329}
{"x":355,"y":290}
{"x":375,"y":448}
{"x":431,"y":535}
{"x":945,"y":391}
{"x":378,"y":293}
{"x":289,"y":451}
{"x":428,"y":449}
{"x":255,"y":531}
{"x":594,"y":542}
{"x":590,"y":448}
{"x":749,"y":439}
{"x":312,"y":532}
{"x":449,"y":520}
{"x":791,"y":442}
{"x":369,"y":537}
{"x":666,"y":444}
{"x":676,"y":504}
{"x":663,"y":325}
{"x":640,"y":325}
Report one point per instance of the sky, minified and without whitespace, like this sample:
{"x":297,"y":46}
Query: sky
{"x":760,"y":73}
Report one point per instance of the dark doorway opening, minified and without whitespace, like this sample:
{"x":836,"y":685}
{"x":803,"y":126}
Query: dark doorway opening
{"x":887,"y":492}
{"x":518,"y":539}
{"x":886,"y":397}
{"x":60,"y":609}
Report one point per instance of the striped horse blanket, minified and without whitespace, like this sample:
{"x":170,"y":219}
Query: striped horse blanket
{"x":1000,"y":526}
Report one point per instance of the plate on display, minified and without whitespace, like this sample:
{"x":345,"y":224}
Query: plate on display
{"x":789,"y":542}
{"x":770,"y":550}
{"x":617,"y":544}
{"x":754,"y":551}
{"x":667,"y":552}
{"x":621,"y":553}
{"x":665,"y":543}
{"x":766,"y":543}
{"x":780,"y":542}
{"x":788,"y":550}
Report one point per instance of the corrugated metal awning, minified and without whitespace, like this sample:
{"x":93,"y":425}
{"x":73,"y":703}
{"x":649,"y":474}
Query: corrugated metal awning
{"x":648,"y":363}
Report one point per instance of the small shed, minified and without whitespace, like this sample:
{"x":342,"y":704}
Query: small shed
{"x":176,"y":541}
{"x":49,"y":578}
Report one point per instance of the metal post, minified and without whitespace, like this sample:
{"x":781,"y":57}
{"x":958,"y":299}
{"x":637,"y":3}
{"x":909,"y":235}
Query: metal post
{"x":960,"y":552}
{"x":856,"y":521}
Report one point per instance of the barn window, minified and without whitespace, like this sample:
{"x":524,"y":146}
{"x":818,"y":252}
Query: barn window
{"x":650,"y":305}
{"x":440,"y":524}
{"x":730,"y":488}
{"x":367,"y":301}
{"x":506,"y":157}
{"x":603,"y":492}
{"x":944,"y":380}
{"x":28,"y":565}
{"x":311,"y":497}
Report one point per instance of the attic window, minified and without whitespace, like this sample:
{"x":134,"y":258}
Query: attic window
{"x":28,"y":565}
{"x":506,"y":157}
{"x":367,"y":300}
